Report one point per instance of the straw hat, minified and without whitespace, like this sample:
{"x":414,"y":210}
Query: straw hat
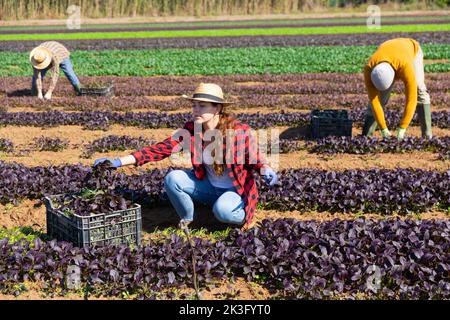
{"x":208,"y":92}
{"x":40,"y":57}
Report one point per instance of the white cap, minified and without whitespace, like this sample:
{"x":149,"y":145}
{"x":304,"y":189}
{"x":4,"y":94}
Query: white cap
{"x":382,"y":76}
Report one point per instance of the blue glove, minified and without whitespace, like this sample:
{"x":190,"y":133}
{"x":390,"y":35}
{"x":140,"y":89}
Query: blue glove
{"x":116,"y":163}
{"x":270,"y":176}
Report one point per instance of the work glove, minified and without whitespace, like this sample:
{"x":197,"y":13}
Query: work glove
{"x":400,"y":133}
{"x":270,"y":176}
{"x":48,"y":96}
{"x":385,"y":133}
{"x":116,"y":163}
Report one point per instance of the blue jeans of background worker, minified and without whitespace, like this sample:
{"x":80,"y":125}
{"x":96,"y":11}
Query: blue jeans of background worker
{"x":183,"y":188}
{"x":67,"y":67}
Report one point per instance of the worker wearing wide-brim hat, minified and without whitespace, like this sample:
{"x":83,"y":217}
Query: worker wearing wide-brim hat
{"x":227,"y":185}
{"x":400,"y":58}
{"x":51,"y":55}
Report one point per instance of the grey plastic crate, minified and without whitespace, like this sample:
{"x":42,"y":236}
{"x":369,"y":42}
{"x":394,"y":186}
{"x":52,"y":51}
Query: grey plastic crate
{"x":112,"y":228}
{"x":326,"y":123}
{"x":105,"y":91}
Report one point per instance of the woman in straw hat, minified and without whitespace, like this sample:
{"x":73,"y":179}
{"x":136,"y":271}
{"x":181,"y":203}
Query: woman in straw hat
{"x":228,"y":186}
{"x":51,"y":55}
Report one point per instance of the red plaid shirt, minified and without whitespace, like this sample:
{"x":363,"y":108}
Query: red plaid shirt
{"x":245,"y":145}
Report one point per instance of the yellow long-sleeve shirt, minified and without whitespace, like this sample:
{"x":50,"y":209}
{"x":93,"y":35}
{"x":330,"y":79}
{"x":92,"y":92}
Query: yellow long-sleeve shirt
{"x":400,"y":54}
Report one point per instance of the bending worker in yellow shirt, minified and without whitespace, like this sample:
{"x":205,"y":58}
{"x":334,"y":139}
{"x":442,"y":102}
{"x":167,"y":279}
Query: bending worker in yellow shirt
{"x":400,"y":58}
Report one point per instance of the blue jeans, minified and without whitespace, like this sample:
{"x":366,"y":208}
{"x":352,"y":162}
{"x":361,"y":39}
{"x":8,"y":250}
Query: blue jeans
{"x":183,"y":188}
{"x":67,"y":67}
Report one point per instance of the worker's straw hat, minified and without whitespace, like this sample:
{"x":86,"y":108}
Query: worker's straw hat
{"x":40,"y":57}
{"x":208,"y":92}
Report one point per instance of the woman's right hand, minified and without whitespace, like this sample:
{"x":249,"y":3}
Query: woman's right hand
{"x":116,"y":163}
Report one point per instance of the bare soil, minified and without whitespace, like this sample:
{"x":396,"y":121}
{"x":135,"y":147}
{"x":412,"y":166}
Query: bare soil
{"x":431,"y":61}
{"x":321,"y":14}
{"x":23,"y":139}
{"x":240,"y":289}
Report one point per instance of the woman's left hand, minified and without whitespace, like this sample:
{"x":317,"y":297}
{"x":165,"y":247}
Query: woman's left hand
{"x":269,"y":175}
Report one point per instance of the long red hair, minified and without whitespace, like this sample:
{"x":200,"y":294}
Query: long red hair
{"x":226,"y":121}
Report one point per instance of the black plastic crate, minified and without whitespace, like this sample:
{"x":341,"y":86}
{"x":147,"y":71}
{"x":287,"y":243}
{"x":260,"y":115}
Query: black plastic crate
{"x":326,"y":123}
{"x":112,"y":228}
{"x":104,"y":91}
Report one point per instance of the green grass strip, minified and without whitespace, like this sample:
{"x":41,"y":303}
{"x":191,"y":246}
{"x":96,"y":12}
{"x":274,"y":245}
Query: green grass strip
{"x":220,"y":61}
{"x":230,"y":23}
{"x":227,"y":32}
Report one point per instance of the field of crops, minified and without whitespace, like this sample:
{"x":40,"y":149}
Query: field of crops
{"x":344,"y":209}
